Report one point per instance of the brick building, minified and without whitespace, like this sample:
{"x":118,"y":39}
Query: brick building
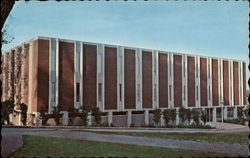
{"x":125,"y":83}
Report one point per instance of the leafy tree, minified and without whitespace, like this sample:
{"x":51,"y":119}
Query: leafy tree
{"x":97,"y":115}
{"x":157,"y":116}
{"x":43,"y":116}
{"x":196,"y":116}
{"x":169,"y":115}
{"x":7,"y":109}
{"x":23,"y":110}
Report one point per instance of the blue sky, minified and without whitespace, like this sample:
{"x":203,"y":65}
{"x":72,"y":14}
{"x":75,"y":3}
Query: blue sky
{"x":217,"y":29}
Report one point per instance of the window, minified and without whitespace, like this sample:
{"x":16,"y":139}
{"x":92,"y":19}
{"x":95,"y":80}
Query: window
{"x":155,"y":92}
{"x":184,"y":92}
{"x":138,"y":92}
{"x":209,"y":98}
{"x":208,"y":69}
{"x":77,"y":92}
{"x":99,"y":92}
{"x":120,"y":88}
{"x":53,"y":90}
{"x":170,"y":92}
{"x":184,"y":68}
{"x":197,"y":93}
{"x":197,"y":69}
{"x":170,"y":69}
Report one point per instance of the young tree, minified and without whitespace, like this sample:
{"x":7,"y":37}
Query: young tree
{"x":157,"y":116}
{"x":7,"y":109}
{"x":23,"y":111}
{"x":97,"y":115}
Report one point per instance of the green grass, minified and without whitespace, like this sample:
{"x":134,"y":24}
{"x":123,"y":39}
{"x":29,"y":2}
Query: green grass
{"x":230,"y":138}
{"x":55,"y":147}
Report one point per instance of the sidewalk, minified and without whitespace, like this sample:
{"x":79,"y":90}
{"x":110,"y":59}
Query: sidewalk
{"x":227,"y":149}
{"x":10,"y":143}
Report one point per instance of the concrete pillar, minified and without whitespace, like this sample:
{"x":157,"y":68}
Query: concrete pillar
{"x":162,"y":121}
{"x":89,"y":118}
{"x":235,"y":112}
{"x":214,"y":115}
{"x":225,"y":113}
{"x":146,"y":117}
{"x":177,"y":120}
{"x":110,"y":117}
{"x":19,"y":119}
{"x":129,"y":118}
{"x":65,"y":118}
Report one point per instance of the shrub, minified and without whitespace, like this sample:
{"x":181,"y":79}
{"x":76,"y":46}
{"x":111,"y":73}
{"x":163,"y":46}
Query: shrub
{"x":43,"y":116}
{"x":7,"y":108}
{"x":246,"y":113}
{"x":23,"y":110}
{"x":204,"y":116}
{"x":157,"y":116}
{"x":169,"y":115}
{"x":84,"y":115}
{"x":196,"y":116}
{"x":184,"y":114}
{"x":97,"y":115}
{"x":56,"y":114}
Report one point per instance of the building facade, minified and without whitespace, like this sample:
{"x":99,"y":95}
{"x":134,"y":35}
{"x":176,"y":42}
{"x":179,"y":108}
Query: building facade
{"x":125,"y":83}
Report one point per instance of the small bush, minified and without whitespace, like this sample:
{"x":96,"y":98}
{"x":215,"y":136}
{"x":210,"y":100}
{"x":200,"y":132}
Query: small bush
{"x":7,"y":108}
{"x":196,"y":116}
{"x":23,"y":110}
{"x":97,"y":115}
{"x":43,"y":116}
{"x":56,"y":115}
{"x":157,"y":116}
{"x":169,"y":115}
{"x":184,"y":114}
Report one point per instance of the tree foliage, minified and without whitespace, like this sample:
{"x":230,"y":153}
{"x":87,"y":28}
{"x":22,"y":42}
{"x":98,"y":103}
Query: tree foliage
{"x":7,"y":109}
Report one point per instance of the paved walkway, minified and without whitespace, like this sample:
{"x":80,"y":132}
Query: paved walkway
{"x":10,"y":143}
{"x":227,"y":149}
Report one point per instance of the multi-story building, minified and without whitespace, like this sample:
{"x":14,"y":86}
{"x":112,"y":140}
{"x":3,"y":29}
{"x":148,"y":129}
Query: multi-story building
{"x":126,"y":83}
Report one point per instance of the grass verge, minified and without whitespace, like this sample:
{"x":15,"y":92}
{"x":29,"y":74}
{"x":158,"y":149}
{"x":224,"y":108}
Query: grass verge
{"x":230,"y":138}
{"x":54,"y":147}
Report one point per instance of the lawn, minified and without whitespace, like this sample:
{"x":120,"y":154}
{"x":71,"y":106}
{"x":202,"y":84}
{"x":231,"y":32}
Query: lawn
{"x":230,"y":138}
{"x":55,"y":147}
